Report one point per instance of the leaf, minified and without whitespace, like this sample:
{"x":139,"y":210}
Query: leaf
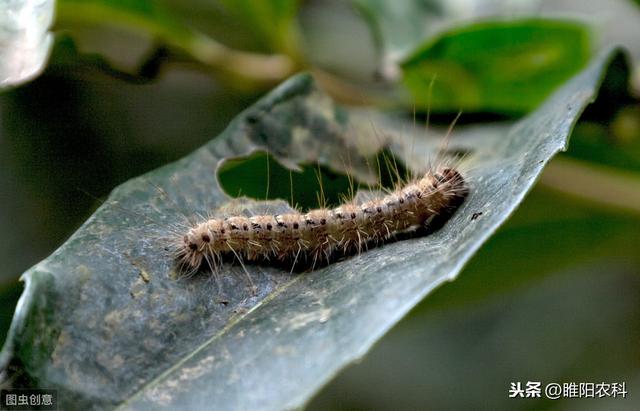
{"x":103,"y":320}
{"x":271,"y":21}
{"x":143,"y":15}
{"x":551,"y":328}
{"x":609,"y":131}
{"x":499,"y":66}
{"x":531,"y":233}
{"x":149,"y":18}
{"x":400,"y":27}
{"x":25,"y":41}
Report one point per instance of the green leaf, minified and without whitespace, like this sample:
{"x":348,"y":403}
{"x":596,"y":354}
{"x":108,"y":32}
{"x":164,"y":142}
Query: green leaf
{"x":104,"y":321}
{"x":500,"y":66}
{"x":25,"y":40}
{"x":272,"y":21}
{"x":138,"y":15}
{"x":150,"y":19}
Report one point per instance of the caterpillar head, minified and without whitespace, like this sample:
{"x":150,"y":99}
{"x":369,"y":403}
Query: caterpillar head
{"x":451,"y":183}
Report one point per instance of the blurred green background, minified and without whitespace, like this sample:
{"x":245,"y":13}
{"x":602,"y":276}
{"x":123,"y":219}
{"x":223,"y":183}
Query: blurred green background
{"x":552,"y":297}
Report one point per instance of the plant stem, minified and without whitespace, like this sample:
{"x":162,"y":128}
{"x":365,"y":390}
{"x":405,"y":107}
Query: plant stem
{"x":597,"y":184}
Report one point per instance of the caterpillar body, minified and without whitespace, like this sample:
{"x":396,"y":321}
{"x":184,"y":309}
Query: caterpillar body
{"x":320,"y":234}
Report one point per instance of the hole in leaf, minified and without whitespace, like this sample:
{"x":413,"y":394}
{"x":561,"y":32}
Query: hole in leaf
{"x":260,"y":176}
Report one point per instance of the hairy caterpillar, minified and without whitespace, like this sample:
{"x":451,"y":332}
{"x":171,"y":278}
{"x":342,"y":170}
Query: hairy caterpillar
{"x":320,"y":234}
{"x":295,"y":116}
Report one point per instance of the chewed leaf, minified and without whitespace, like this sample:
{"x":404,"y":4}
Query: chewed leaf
{"x":25,"y":40}
{"x":105,"y":322}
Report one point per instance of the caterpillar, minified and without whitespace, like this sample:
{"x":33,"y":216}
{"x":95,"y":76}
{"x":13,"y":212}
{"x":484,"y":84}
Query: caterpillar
{"x":321,"y":234}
